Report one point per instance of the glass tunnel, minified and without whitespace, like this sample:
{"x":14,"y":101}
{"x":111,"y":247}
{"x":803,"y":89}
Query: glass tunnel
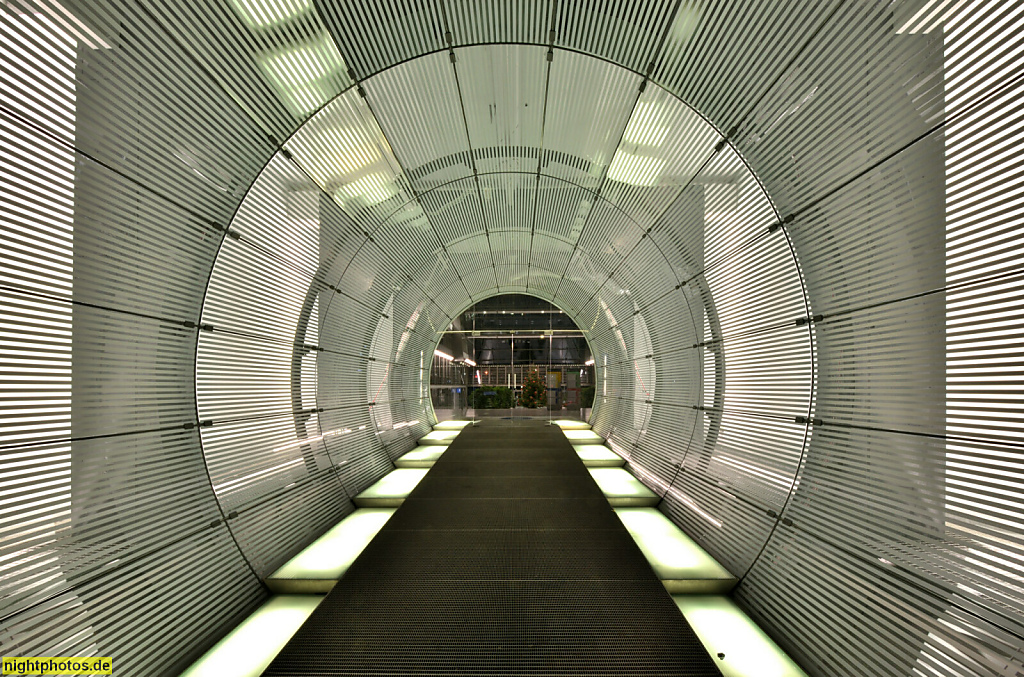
{"x":778,"y":246}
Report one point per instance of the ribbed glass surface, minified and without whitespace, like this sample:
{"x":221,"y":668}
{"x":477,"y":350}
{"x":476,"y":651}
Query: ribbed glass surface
{"x":233,"y":232}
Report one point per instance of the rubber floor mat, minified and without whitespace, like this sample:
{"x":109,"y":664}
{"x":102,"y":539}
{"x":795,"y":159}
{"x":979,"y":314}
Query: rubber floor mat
{"x":506,"y":559}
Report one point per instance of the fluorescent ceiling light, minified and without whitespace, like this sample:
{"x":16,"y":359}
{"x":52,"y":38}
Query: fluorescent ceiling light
{"x":305,"y":63}
{"x":265,"y":13}
{"x":643,"y":128}
{"x":635,"y":170}
{"x":411,"y":216}
{"x":348,"y":152}
{"x":589,"y":363}
{"x":686,"y":21}
{"x":443,"y":356}
{"x":373,"y":188}
{"x":300,"y":73}
{"x":932,"y":15}
{"x":469,"y":362}
{"x":303,"y":100}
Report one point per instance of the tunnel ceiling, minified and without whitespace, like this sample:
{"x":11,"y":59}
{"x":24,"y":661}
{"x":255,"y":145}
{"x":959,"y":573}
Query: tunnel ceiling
{"x":432,"y":185}
{"x":234,"y":231}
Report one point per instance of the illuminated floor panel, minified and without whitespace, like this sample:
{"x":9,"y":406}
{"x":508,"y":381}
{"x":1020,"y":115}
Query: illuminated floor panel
{"x":390,"y":490}
{"x":681,"y":564}
{"x":452,"y":425}
{"x":421,"y":457}
{"x":570,"y":424}
{"x":598,"y":456}
{"x":583,"y":437}
{"x":724,"y":629}
{"x":440,"y":437}
{"x":622,"y":489}
{"x":253,"y":644}
{"x":317,"y":568}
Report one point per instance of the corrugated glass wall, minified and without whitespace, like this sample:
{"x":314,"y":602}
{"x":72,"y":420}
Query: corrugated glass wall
{"x":233,"y":232}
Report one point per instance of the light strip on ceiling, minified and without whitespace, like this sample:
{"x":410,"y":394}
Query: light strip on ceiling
{"x":635,"y":170}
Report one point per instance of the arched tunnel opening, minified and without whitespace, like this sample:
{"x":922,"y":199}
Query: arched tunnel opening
{"x":236,"y":235}
{"x":513,"y":355}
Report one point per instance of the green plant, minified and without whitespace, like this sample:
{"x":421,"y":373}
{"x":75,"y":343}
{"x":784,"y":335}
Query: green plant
{"x":587,"y":396}
{"x":497,"y":397}
{"x":534,"y":393}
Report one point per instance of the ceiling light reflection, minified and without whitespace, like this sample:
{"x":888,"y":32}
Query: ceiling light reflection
{"x":636,"y":170}
{"x":301,"y":73}
{"x":266,"y":13}
{"x":373,"y":188}
{"x":643,"y":128}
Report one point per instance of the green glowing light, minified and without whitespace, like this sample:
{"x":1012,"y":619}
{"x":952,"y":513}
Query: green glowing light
{"x":397,"y":482}
{"x":452,"y":425}
{"x":253,"y":644}
{"x":723,"y":628}
{"x":421,"y":457}
{"x":597,"y":455}
{"x":673,"y":555}
{"x":439,"y":436}
{"x":622,"y":489}
{"x":570,"y":424}
{"x":329,"y":556}
{"x":583,"y":437}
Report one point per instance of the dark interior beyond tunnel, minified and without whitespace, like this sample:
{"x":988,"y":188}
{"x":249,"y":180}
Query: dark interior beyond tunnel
{"x":500,"y":344}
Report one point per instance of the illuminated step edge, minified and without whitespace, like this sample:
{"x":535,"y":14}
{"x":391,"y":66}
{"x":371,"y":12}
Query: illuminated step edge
{"x":583,"y":437}
{"x":598,"y":456}
{"x":452,"y":425}
{"x":390,"y":491}
{"x":592,"y":455}
{"x":622,"y":489}
{"x":439,"y":437}
{"x":252,"y":645}
{"x":679,"y":562}
{"x":570,"y":424}
{"x":725,"y":630}
{"x":319,"y":566}
{"x":421,"y":457}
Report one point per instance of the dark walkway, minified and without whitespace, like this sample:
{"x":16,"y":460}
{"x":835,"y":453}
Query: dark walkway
{"x":505,"y":560}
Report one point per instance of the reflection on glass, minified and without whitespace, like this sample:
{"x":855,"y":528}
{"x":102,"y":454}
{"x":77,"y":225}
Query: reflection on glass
{"x":264,"y":14}
{"x":301,"y":73}
{"x":635,"y":170}
{"x":513,"y":356}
